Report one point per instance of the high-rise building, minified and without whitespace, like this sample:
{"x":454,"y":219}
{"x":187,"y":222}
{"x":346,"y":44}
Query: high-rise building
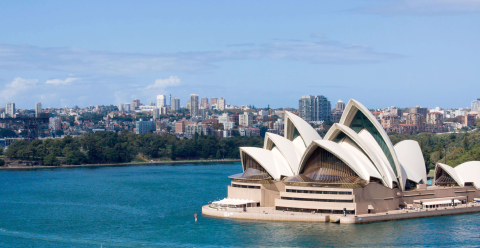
{"x":469,"y":120}
{"x":138,"y":102}
{"x":120,"y":107}
{"x":340,"y":105}
{"x":161,"y":101}
{"x":151,"y":104}
{"x":204,"y":103}
{"x":213,"y":101}
{"x":38,"y":109}
{"x":245,"y":119}
{"x":221,"y":104}
{"x":187,"y":105}
{"x":476,"y":105}
{"x":175,"y":103}
{"x":127,"y":107}
{"x":10,"y":109}
{"x":419,"y":110}
{"x":142,"y":127}
{"x":193,"y":105}
{"x":156,"y":113}
{"x":314,"y":108}
{"x":55,"y":123}
{"x":133,"y":105}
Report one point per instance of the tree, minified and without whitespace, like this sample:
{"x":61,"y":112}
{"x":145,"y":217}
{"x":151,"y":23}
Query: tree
{"x":9,"y":133}
{"x":218,"y":156}
{"x":51,"y":160}
{"x":75,"y":157}
{"x":2,"y":162}
{"x":173,"y":152}
{"x":263,"y":130}
{"x":59,"y":132}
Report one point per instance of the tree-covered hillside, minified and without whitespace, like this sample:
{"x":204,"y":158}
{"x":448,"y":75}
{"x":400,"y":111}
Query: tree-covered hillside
{"x":109,"y":147}
{"x":461,"y":147}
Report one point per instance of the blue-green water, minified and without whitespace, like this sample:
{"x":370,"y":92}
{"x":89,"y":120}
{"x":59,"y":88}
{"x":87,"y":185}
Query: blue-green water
{"x":153,"y":206}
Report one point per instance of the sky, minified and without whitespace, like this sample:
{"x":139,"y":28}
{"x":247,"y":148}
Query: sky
{"x":382,"y":53}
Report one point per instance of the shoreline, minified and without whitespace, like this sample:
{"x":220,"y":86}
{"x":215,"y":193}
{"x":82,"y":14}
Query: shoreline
{"x":120,"y":164}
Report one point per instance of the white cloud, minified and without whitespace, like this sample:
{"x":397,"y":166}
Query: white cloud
{"x":423,"y":7}
{"x":164,"y":83}
{"x":17,"y":86}
{"x":70,"y":60}
{"x":61,"y":82}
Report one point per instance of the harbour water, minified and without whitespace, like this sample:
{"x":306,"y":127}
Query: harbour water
{"x":154,"y":206}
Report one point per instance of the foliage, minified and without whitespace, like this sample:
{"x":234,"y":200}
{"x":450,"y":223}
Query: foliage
{"x":110,"y":147}
{"x":461,"y":147}
{"x":2,"y":162}
{"x":7,"y":133}
{"x":51,"y":160}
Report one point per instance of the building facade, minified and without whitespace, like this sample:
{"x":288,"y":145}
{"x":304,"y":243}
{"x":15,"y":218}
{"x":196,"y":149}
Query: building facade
{"x":204,"y":103}
{"x":142,"y":127}
{"x":434,"y":122}
{"x":476,"y":105}
{"x":55,"y":123}
{"x":340,"y":105}
{"x":213,"y":101}
{"x":156,"y":113}
{"x":10,"y":110}
{"x":419,"y":110}
{"x":245,"y":120}
{"x":314,"y":108}
{"x":221,"y":104}
{"x":175,"y":105}
{"x":161,"y":101}
{"x":38,"y":109}
{"x":193,"y":105}
{"x":469,"y":120}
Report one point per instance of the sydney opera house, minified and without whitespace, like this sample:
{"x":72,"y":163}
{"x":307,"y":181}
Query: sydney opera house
{"x":353,"y":170}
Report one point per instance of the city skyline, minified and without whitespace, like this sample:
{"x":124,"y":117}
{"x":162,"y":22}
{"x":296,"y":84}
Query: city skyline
{"x":340,"y":49}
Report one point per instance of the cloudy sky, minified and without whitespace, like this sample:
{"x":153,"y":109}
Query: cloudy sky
{"x":382,"y":53}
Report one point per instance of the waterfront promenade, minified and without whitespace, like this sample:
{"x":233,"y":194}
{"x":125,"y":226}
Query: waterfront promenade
{"x":122,"y":164}
{"x":269,"y":214}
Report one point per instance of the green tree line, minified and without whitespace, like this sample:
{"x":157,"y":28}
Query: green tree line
{"x":110,"y":147}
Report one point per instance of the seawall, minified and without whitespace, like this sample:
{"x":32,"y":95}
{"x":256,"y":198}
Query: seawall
{"x":121,"y":164}
{"x":273,"y":215}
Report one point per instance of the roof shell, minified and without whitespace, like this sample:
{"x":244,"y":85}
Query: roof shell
{"x":307,"y":132}
{"x":286,"y":147}
{"x":336,"y":150}
{"x":469,"y":172}
{"x":274,"y":165}
{"x":451,"y":171}
{"x":350,"y":111}
{"x":410,"y":157}
{"x":384,"y":168}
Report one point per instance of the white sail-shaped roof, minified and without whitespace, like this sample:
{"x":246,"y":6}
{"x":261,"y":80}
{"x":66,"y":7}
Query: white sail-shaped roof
{"x":339,"y":152}
{"x":380,"y":163}
{"x":366,"y":121}
{"x":272,"y":162}
{"x":450,"y":171}
{"x":360,"y":158}
{"x":469,"y":172}
{"x":285,"y":147}
{"x":410,"y":157}
{"x":306,"y":131}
